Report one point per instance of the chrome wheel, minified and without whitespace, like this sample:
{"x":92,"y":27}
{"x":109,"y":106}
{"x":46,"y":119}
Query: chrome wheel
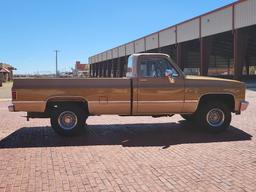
{"x":215,"y":117}
{"x":67,"y":120}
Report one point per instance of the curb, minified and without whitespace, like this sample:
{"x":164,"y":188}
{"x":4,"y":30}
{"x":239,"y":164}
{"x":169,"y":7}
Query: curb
{"x":5,"y":100}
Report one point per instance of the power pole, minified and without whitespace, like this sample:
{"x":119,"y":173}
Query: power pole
{"x":56,"y":57}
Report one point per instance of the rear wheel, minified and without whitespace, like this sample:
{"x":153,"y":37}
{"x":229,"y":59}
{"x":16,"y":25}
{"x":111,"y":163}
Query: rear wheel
{"x":215,"y":116}
{"x":68,"y":120}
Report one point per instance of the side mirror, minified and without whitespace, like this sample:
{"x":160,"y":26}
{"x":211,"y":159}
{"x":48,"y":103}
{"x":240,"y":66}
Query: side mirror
{"x":175,"y":75}
{"x":170,"y":73}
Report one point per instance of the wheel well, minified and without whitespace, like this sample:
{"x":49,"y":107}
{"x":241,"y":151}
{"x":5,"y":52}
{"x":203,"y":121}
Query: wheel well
{"x":53,"y":104}
{"x":227,"y":99}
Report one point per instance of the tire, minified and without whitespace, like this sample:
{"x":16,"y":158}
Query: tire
{"x":188,"y":117}
{"x":68,"y":120}
{"x":214,"y":117}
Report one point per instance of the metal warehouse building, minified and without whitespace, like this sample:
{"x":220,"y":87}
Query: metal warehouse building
{"x":219,"y":43}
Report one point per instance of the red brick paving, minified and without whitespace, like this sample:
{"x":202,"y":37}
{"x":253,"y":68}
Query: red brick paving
{"x":128,"y":154}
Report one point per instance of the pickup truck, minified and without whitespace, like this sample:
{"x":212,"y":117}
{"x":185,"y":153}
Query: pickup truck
{"x":154,"y":86}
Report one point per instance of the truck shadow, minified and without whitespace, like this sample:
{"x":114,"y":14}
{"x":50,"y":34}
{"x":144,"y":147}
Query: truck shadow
{"x":127,"y":135}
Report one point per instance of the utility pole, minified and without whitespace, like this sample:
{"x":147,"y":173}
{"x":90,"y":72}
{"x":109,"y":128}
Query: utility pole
{"x":56,"y":57}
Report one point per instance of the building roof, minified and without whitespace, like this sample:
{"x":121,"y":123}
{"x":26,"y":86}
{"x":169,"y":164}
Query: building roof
{"x":4,"y":70}
{"x":7,"y":66}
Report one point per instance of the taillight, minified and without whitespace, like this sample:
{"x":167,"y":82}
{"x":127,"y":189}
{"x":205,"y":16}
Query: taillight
{"x":14,"y":95}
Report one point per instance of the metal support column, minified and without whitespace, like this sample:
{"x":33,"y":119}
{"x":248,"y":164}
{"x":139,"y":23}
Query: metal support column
{"x":97,"y":70}
{"x":180,"y":55}
{"x":240,"y":50}
{"x":205,"y":52}
{"x":122,"y":63}
{"x":90,"y":67}
{"x":94,"y":70}
{"x":109,"y":68}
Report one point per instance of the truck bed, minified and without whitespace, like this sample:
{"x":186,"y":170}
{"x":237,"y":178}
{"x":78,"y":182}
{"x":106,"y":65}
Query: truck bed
{"x":103,"y":95}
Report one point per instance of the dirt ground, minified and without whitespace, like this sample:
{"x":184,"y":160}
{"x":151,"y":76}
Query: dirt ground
{"x":5,"y":91}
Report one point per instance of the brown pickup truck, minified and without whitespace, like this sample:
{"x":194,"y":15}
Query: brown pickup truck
{"x":154,"y":86}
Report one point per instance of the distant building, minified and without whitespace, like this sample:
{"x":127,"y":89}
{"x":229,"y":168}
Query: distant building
{"x":219,"y":43}
{"x":81,"y":70}
{"x":6,"y":72}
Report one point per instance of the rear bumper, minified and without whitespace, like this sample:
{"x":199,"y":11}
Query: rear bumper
{"x":243,"y":105}
{"x":11,"y":108}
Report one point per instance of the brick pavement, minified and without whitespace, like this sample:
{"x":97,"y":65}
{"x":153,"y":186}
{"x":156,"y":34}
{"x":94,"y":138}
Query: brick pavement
{"x":128,"y":154}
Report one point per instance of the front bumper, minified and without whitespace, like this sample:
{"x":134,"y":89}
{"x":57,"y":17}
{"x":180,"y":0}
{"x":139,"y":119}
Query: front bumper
{"x":11,"y":108}
{"x":243,"y":105}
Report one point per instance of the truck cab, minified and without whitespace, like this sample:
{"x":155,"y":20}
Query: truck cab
{"x":158,"y":84}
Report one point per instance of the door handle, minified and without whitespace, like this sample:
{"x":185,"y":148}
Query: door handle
{"x":143,"y":80}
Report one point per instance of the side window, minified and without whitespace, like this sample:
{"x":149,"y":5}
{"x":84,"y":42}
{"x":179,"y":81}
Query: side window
{"x":156,"y":67}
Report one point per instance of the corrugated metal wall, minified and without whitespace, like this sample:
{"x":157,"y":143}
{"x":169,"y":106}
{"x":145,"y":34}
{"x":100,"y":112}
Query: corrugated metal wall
{"x":115,"y":53}
{"x":152,"y":41}
{"x":217,"y":22}
{"x":121,"y":51}
{"x":129,"y":48}
{"x":140,"y":45}
{"x":245,"y":14}
{"x":167,"y":37}
{"x":109,"y":54}
{"x":188,"y":31}
{"x":104,"y":56}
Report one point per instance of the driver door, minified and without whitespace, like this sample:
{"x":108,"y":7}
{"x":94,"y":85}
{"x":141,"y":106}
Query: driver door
{"x":156,"y":92}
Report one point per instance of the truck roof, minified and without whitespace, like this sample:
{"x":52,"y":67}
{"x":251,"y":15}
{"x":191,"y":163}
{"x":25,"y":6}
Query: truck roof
{"x":151,"y":54}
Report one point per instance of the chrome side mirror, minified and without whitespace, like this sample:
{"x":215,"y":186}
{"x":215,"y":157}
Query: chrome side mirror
{"x":170,"y":73}
{"x":175,"y":75}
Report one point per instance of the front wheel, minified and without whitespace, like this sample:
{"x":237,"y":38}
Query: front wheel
{"x":68,"y":120}
{"x":215,"y":116}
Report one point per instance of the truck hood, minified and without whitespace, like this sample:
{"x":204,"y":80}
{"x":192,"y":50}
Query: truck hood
{"x":204,"y":85}
{"x":202,"y":81}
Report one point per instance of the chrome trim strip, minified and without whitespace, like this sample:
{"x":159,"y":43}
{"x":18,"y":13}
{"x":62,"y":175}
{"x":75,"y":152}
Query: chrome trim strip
{"x":174,"y":101}
{"x":171,"y":101}
{"x":96,"y":102}
{"x":191,"y":101}
{"x":27,"y":102}
{"x":119,"y":101}
{"x":107,"y":102}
